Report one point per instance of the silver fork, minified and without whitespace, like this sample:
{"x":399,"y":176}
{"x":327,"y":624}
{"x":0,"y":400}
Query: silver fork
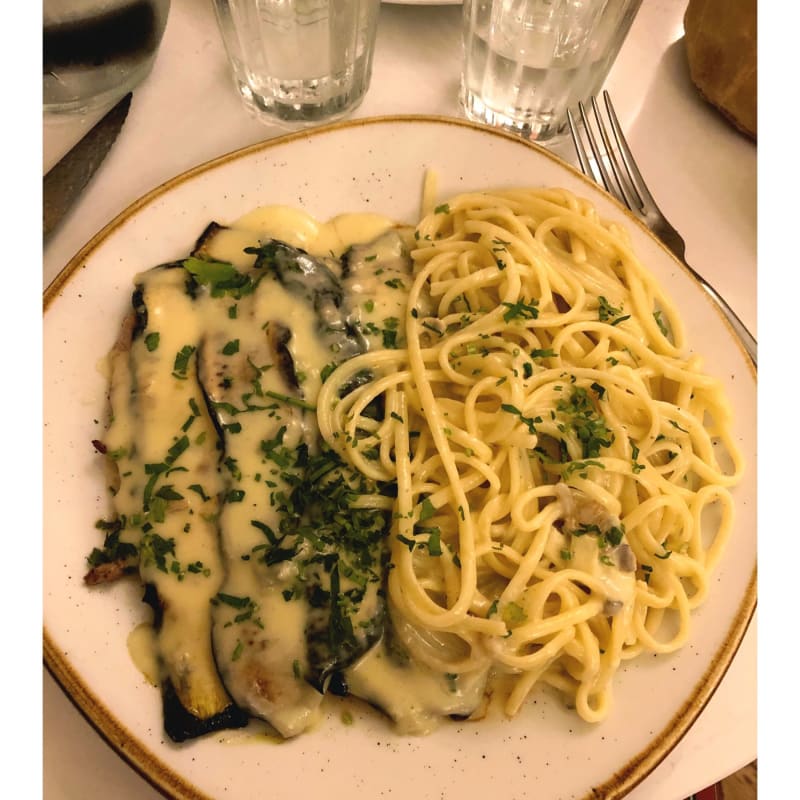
{"x":624,"y":181}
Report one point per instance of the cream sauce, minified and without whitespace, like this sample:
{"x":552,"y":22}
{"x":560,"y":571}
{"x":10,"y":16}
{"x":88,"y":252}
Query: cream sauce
{"x":150,"y":408}
{"x":415,"y":697}
{"x":619,"y":586}
{"x":143,"y":650}
{"x":190,"y":507}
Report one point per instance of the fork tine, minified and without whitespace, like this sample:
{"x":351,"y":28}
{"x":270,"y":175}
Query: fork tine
{"x":583,"y":158}
{"x":628,"y":191}
{"x":637,"y":181}
{"x":605,"y":178}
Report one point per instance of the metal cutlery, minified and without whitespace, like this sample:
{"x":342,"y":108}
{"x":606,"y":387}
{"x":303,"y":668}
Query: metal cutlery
{"x":67,"y":179}
{"x":613,"y":166}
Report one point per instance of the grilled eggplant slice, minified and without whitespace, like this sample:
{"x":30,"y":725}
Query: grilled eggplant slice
{"x":266,"y":579}
{"x":161,"y":442}
{"x":301,"y":598}
{"x":257,"y":632}
{"x":344,"y":572}
{"x":389,"y":252}
{"x":315,"y":282}
{"x":184,"y":717}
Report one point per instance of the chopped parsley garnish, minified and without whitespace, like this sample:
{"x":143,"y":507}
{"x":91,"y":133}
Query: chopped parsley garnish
{"x":290,"y":401}
{"x":210,"y":272}
{"x":530,"y":422}
{"x":606,"y":311}
{"x":221,"y":277}
{"x":660,"y":322}
{"x":612,"y":537}
{"x":198,"y":489}
{"x":113,"y":549}
{"x":168,"y":493}
{"x":434,"y":542}
{"x":234,"y":601}
{"x":275,"y":450}
{"x":588,"y":425}
{"x":232,"y":466}
{"x":154,"y":549}
{"x":636,"y":466}
{"x":521,"y":310}
{"x":581,"y":467}
{"x":427,"y":510}
{"x":181,"y":364}
{"x":155,"y":470}
{"x":409,"y":543}
{"x":513,"y":614}
{"x":389,"y":337}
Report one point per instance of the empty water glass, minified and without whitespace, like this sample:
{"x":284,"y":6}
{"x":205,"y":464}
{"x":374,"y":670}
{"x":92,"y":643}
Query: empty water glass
{"x":526,"y":61}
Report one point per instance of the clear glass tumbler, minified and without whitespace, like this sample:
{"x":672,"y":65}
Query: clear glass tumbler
{"x":299,"y":62}
{"x":96,"y":51}
{"x":525,"y":62}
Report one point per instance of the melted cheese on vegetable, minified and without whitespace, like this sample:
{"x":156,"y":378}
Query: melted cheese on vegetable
{"x":214,"y":507}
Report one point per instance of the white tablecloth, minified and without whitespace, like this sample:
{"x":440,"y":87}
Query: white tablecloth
{"x":702,"y":171}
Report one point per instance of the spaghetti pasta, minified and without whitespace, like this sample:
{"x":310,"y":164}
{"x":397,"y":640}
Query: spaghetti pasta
{"x":563,"y":469}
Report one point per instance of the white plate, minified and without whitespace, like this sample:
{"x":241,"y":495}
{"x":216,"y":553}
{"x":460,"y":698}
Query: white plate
{"x":375,"y":165}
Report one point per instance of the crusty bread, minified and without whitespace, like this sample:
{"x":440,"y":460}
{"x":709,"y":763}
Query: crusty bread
{"x":721,"y":50}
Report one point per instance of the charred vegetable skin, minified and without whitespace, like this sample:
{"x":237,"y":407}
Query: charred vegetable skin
{"x":313,"y":281}
{"x":180,"y":724}
{"x":337,"y":554}
{"x":161,"y":521}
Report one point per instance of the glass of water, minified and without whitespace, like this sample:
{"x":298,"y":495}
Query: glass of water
{"x":527,"y":61}
{"x":299,"y":62}
{"x":96,"y":51}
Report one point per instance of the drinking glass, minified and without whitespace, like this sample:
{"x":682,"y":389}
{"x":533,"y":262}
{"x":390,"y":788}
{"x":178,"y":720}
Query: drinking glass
{"x":96,"y":51}
{"x":526,"y":61}
{"x":299,"y":62}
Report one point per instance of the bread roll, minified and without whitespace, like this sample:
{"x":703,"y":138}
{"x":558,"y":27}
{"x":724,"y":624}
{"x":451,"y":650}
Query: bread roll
{"x":721,"y":49}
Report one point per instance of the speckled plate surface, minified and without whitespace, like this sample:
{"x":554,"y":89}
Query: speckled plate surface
{"x":424,"y":2}
{"x":374,"y":165}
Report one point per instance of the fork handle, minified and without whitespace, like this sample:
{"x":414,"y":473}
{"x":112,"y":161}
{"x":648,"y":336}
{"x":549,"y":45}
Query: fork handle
{"x":745,"y":337}
{"x":664,"y":230}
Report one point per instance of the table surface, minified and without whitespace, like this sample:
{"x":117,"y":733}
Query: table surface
{"x":710,"y":198}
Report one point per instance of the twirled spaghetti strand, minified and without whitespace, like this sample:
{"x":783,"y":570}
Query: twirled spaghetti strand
{"x":563,"y":470}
